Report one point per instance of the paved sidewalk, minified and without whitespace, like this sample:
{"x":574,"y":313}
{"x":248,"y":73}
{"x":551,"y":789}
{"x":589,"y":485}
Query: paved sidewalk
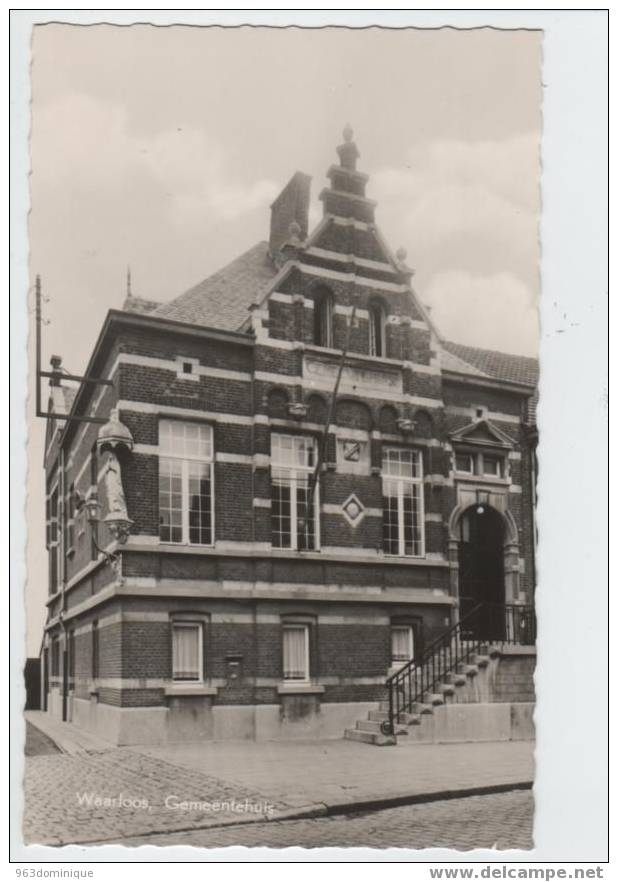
{"x":94,"y":793}
{"x":339,"y":773}
{"x":67,"y":737}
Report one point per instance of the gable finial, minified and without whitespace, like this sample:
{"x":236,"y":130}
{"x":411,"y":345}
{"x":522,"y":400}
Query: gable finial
{"x":348,"y":151}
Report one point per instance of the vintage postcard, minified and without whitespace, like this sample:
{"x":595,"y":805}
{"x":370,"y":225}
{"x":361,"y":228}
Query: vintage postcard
{"x":282,"y":454}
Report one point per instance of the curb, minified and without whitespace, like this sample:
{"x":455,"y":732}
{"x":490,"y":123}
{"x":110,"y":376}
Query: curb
{"x":384,"y":802}
{"x":322,"y":810}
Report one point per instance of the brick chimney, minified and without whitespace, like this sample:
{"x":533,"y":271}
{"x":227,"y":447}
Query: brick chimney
{"x":291,"y":205}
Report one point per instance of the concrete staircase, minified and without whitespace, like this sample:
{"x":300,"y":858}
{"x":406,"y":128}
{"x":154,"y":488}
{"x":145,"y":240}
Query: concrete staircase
{"x":469,"y":683}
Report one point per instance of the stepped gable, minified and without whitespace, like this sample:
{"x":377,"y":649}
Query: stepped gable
{"x":348,"y":227}
{"x":223,"y":299}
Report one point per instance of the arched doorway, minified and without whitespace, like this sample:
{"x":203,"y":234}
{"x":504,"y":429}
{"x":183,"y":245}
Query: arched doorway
{"x":481,"y":568}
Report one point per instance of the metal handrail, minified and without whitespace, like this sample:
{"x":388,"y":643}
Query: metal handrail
{"x":486,"y":623}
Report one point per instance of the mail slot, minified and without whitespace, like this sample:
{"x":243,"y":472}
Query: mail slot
{"x":233,"y":667}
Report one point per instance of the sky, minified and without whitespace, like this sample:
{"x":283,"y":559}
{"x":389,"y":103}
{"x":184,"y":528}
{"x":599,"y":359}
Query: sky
{"x":162,"y":148}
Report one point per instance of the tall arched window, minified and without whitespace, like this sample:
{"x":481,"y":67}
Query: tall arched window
{"x":377,"y":335}
{"x":323,"y":318}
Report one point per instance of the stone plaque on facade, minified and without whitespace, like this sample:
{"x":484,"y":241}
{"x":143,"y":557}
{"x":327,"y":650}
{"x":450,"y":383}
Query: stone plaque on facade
{"x":324,"y":373}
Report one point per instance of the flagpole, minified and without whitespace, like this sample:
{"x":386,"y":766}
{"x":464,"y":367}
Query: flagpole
{"x":315,"y":476}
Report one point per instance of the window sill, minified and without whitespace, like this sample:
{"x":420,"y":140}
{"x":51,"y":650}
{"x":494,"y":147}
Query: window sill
{"x":198,"y":690}
{"x":482,"y":479}
{"x":403,"y":557}
{"x":300,"y":688}
{"x":184,"y":544}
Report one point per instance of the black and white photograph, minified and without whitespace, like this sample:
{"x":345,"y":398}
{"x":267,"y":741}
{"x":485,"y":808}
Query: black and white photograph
{"x":284,"y":328}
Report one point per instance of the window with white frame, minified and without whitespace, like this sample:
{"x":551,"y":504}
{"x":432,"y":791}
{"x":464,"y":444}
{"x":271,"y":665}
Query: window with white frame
{"x":402,"y":645}
{"x":489,"y":465}
{"x":293,"y":462}
{"x":186,"y":496}
{"x":492,"y":465}
{"x":296,"y":652}
{"x":464,"y":462}
{"x":187,"y":652}
{"x":53,"y":541}
{"x":402,"y":503}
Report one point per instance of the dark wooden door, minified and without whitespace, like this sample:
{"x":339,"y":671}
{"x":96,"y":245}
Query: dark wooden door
{"x":481,"y":570}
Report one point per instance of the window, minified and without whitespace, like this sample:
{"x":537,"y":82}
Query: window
{"x":296,"y":652}
{"x":187,"y":368}
{"x":489,"y":465}
{"x":402,"y":645}
{"x":187,"y":652}
{"x":323,"y":318}
{"x":70,"y":508}
{"x":293,"y":462}
{"x":402,"y":490}
{"x":95,"y":650}
{"x":71,"y":654}
{"x":52,"y":542}
{"x":377,"y":341}
{"x":185,"y":483}
{"x":492,"y":466}
{"x":94,"y":486}
{"x":55,"y":657}
{"x":464,"y":462}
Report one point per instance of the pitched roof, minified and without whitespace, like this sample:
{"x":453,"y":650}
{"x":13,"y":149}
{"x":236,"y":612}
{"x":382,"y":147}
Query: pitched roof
{"x":489,"y":363}
{"x":140,"y":304}
{"x":222,"y":300}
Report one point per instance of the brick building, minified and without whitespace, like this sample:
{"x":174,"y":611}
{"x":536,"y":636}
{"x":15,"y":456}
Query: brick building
{"x":249,"y":601}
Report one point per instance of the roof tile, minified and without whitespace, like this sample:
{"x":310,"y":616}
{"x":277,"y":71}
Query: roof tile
{"x":222,"y":300}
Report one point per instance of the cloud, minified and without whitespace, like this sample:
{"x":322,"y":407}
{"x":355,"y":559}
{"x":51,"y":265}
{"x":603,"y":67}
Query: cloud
{"x":468,"y":212}
{"x":88,"y":143}
{"x":496,"y":312}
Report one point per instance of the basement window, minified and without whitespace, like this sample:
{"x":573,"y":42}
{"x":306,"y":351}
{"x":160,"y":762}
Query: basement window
{"x":296,"y":653}
{"x":187,"y":652}
{"x":402,"y":645}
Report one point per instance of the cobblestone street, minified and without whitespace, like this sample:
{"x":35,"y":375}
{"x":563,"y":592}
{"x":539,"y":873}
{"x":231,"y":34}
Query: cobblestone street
{"x":65,"y":797}
{"x":501,"y":821}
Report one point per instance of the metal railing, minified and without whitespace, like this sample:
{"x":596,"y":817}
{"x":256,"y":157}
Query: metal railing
{"x":485,"y":625}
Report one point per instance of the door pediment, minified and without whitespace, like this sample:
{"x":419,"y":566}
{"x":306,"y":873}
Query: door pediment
{"x":483,"y":432}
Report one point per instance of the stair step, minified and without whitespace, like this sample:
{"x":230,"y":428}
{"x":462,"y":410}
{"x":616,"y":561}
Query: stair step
{"x":369,"y":737}
{"x":410,"y":719}
{"x":418,"y":707}
{"x":375,"y":726}
{"x":434,"y":698}
{"x":377,"y":716}
{"x":481,"y":661}
{"x":456,"y":679}
{"x":468,"y":670}
{"x":446,"y":689}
